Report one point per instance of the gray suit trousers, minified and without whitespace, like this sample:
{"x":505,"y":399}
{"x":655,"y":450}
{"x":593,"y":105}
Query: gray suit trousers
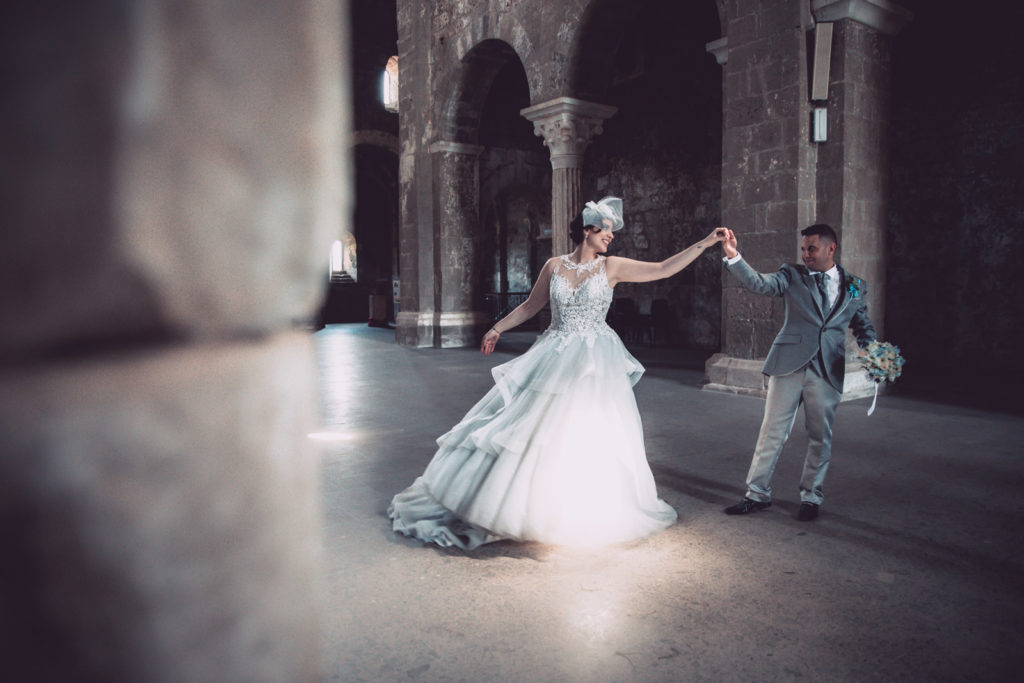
{"x":785,"y":393}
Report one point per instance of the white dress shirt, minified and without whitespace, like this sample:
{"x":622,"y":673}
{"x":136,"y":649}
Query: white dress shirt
{"x":832,"y":285}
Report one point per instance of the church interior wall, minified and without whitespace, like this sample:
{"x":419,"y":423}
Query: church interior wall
{"x":955,"y":237}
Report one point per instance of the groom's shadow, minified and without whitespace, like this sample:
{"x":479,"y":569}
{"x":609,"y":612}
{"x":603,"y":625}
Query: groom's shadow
{"x":891,"y":540}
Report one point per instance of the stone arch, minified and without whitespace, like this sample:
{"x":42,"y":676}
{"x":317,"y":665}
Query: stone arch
{"x":594,"y":47}
{"x":375,"y":138}
{"x":502,"y":27}
{"x":603,"y":27}
{"x":662,"y":150}
{"x":458,"y":292}
{"x":480,"y":66}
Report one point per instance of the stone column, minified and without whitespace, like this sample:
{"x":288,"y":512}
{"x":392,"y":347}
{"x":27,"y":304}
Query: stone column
{"x":776,"y":181}
{"x":767,"y":174}
{"x":414,"y":324}
{"x":567,"y":126}
{"x":173,"y":181}
{"x":853,"y":163}
{"x":457,"y":319}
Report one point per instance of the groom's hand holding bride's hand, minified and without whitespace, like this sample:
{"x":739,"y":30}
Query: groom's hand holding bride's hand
{"x":729,"y":244}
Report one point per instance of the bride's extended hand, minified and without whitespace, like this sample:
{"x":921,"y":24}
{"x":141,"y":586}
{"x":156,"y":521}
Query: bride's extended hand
{"x":717,"y":235}
{"x":490,"y":339}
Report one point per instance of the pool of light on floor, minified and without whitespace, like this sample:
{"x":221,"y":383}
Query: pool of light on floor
{"x":335,"y":436}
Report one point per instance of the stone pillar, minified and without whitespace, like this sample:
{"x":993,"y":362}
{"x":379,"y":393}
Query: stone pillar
{"x":852,"y":178}
{"x":458,"y":320}
{"x":449,"y":315}
{"x":567,"y":126}
{"x":415,"y":322}
{"x":767,"y":174}
{"x":776,"y":181}
{"x":173,"y":181}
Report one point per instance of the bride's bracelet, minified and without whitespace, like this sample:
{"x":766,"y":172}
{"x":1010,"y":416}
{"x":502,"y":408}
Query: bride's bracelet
{"x":495,"y":331}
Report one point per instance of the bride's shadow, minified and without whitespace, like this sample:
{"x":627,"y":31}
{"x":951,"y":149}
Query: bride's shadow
{"x":514,"y":550}
{"x":511,"y":549}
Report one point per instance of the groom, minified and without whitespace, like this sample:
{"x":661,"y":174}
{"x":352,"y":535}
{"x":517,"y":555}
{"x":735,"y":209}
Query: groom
{"x":807,"y":361}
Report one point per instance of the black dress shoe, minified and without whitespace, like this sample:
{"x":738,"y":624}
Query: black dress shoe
{"x":746,"y":505}
{"x":808,"y":512}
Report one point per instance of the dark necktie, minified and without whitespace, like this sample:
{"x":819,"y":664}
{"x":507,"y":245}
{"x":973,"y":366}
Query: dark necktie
{"x":822,"y":291}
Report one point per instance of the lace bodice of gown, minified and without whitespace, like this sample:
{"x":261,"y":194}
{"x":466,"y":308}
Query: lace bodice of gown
{"x":580,"y":296}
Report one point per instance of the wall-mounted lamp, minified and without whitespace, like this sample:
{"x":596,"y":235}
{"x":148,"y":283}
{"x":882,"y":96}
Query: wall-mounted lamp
{"x":819,"y":124}
{"x":820,"y":80}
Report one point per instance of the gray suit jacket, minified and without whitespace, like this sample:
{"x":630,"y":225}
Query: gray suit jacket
{"x":807,"y":328}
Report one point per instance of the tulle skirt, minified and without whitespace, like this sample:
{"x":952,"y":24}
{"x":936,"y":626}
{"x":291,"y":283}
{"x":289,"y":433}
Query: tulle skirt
{"x":553,"y":453}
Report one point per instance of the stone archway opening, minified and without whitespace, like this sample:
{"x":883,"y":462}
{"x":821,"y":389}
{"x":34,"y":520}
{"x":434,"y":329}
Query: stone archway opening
{"x":514,"y":171}
{"x":486,"y":148}
{"x":661,"y":151}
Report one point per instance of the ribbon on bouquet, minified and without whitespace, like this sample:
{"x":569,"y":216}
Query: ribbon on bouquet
{"x":874,"y":400}
{"x":883,"y":363}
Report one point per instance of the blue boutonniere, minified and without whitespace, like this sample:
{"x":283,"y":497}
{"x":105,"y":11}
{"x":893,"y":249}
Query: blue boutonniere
{"x":853,"y":286}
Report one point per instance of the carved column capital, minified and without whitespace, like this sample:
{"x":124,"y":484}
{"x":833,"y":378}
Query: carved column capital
{"x":882,"y":15}
{"x":567,"y":126}
{"x":720,"y":49}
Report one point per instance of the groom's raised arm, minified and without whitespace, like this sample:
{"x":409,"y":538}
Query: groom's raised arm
{"x":768,"y":284}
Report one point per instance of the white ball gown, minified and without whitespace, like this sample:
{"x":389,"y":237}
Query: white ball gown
{"x":554,"y":452}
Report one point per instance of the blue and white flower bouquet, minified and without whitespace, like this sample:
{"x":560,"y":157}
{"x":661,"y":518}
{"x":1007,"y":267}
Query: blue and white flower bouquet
{"x":883,"y":363}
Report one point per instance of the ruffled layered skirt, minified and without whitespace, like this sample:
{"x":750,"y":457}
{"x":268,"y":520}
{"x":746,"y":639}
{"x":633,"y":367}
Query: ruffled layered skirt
{"x":553,"y":453}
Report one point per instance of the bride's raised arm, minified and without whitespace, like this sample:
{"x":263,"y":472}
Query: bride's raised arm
{"x":622,"y":269}
{"x":520,"y":314}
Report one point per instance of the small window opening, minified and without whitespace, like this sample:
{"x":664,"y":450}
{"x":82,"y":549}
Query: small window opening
{"x":389,"y":85}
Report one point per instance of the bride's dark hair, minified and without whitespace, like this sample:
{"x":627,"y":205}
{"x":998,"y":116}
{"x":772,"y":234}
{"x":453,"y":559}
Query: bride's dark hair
{"x":576,"y":228}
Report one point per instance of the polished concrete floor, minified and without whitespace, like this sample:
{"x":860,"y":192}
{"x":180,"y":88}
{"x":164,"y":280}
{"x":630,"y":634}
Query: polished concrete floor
{"x":914,"y":571}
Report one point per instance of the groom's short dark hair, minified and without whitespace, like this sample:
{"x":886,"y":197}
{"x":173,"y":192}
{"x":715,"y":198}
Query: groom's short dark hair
{"x":823,"y":231}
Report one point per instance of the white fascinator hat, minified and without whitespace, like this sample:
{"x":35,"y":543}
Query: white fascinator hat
{"x":608,"y":208}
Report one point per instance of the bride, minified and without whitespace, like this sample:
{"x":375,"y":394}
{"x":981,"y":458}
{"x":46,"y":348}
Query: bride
{"x":554,"y":452}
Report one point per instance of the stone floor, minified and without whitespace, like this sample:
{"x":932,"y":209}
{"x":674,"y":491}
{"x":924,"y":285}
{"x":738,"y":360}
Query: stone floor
{"x":914,"y":571}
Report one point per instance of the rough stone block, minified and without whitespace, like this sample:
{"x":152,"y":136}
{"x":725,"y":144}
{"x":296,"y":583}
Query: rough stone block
{"x":785,"y":103}
{"x":740,"y":304}
{"x":764,"y":136}
{"x":766,"y":251}
{"x":736,"y":83}
{"x":781,"y":216}
{"x":742,"y":29}
{"x":746,"y":111}
{"x":739,"y":216}
{"x":160,"y":516}
{"x":737,"y":143}
{"x":734,"y":375}
{"x":783,"y":188}
{"x":777,"y":17}
{"x":176,"y":168}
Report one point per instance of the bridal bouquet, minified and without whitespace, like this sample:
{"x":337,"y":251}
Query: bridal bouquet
{"x":883,"y":363}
